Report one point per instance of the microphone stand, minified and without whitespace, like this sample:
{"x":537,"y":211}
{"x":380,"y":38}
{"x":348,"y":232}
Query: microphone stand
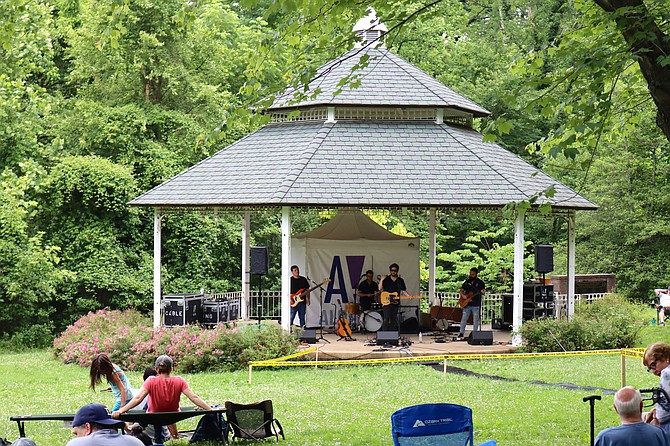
{"x":356,"y":319}
{"x":321,"y":290}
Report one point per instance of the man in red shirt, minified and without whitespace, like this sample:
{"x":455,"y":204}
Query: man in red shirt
{"x":164,"y":393}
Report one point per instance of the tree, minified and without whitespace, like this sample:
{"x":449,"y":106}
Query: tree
{"x":644,"y":26}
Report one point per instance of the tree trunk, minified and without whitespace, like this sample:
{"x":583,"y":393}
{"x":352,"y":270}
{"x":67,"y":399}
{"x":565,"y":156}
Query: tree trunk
{"x":649,"y":44}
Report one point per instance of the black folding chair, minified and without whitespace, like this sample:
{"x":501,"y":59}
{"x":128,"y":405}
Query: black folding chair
{"x":253,"y":421}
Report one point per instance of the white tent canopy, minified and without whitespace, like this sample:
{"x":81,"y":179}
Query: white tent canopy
{"x":341,"y":251}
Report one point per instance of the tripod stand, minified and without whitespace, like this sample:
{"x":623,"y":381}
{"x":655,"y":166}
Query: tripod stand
{"x":321,"y":290}
{"x":259,"y":301}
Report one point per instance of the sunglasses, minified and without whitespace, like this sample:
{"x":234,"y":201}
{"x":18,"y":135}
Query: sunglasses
{"x":651,"y":366}
{"x":394,"y":270}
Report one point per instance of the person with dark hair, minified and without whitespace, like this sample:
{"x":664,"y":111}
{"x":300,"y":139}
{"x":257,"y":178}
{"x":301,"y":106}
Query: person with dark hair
{"x":103,"y":367}
{"x":94,"y":426}
{"x":394,"y":284}
{"x":164,"y":392}
{"x":632,"y":431}
{"x":367,"y":290}
{"x":471,"y":301}
{"x":657,"y":359}
{"x":300,"y":295}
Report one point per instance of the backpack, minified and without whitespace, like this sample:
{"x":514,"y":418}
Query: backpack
{"x":211,"y":427}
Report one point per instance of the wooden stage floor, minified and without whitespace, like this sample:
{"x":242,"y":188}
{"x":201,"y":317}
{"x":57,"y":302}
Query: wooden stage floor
{"x":433,"y":343}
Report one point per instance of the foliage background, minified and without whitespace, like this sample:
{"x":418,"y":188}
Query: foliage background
{"x":102,"y":100}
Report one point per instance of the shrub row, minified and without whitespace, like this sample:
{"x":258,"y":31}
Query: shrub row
{"x":607,"y":323}
{"x":130,"y":341}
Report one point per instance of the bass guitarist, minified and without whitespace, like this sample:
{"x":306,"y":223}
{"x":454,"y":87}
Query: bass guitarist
{"x":299,"y":291}
{"x":392,"y":284}
{"x":471,"y":301}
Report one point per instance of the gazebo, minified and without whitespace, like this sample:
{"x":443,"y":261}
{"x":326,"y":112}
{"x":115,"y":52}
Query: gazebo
{"x":401,"y":139}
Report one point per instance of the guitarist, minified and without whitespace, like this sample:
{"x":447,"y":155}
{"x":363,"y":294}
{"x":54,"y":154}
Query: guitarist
{"x":299,"y":284}
{"x":471,"y":292}
{"x":392,"y":284}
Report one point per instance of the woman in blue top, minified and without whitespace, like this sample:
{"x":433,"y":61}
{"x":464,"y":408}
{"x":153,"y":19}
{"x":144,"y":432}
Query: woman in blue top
{"x":101,"y":367}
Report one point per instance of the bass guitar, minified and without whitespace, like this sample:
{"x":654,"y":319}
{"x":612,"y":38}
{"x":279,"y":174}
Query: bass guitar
{"x":343,"y":328}
{"x":300,"y":295}
{"x":394,"y":298}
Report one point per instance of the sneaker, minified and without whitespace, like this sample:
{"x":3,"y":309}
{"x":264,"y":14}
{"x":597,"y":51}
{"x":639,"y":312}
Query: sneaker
{"x":662,"y":324}
{"x":460,"y":338}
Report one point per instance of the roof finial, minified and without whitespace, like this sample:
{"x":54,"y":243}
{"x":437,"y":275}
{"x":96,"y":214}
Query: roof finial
{"x":370,"y":30}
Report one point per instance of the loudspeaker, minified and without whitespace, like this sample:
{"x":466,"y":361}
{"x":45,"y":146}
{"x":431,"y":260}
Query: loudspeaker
{"x":544,"y":258}
{"x":480,"y":338}
{"x":409,"y":325}
{"x":387,"y":337}
{"x":259,"y":260}
{"x":308,"y":336}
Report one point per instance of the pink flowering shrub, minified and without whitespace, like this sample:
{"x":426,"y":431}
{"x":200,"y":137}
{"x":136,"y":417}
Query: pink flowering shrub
{"x":130,"y":341}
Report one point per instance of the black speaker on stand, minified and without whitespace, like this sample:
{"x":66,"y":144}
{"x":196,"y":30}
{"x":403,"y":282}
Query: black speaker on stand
{"x":259,"y":261}
{"x":544,"y":263}
{"x":544,"y":258}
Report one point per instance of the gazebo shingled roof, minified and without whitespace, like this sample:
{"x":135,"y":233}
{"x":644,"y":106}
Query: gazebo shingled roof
{"x":364,"y":160}
{"x":388,"y":80}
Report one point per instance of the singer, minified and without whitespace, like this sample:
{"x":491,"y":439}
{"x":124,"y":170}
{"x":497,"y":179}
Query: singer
{"x":300,"y":294}
{"x":367,"y":291}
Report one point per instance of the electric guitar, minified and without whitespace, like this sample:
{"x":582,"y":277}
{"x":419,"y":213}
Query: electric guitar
{"x":300,"y":295}
{"x":394,"y":298}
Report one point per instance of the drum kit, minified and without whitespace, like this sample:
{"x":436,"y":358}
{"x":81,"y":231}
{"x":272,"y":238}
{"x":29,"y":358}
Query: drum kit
{"x":366,"y":320}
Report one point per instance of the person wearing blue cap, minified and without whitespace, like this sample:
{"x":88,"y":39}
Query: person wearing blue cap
{"x":93,"y":425}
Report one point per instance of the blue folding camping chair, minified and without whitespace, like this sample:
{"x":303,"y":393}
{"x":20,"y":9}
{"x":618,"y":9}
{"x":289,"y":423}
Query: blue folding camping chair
{"x":440,"y":424}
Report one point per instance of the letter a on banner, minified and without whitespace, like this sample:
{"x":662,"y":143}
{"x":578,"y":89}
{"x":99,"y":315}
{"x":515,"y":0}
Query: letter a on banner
{"x":336,"y":268}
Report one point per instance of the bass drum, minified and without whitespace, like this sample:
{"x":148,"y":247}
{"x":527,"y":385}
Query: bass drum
{"x":371,"y":320}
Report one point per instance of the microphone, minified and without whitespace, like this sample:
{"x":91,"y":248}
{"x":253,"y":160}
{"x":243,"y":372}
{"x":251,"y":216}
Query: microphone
{"x":379,"y":276}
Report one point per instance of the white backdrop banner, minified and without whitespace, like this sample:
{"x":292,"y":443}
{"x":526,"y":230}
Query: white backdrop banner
{"x":343,"y":263}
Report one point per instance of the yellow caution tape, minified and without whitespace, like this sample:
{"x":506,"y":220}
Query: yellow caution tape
{"x":282,"y":362}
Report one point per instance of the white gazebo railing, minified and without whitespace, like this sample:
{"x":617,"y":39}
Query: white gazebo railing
{"x":269,"y":305}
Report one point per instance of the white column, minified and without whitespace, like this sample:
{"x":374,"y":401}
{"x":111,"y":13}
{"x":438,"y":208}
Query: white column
{"x":517,"y":307}
{"x":432,"y":265}
{"x":157,"y":267}
{"x":246,"y":298}
{"x":571,"y":265}
{"x":285,"y":266}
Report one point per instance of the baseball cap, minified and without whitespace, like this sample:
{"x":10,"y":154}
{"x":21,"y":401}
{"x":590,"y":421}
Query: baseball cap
{"x":94,"y":413}
{"x":164,"y":361}
{"x":23,"y":442}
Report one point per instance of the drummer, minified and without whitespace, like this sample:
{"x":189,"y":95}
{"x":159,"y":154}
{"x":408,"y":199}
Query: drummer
{"x":368,"y":291}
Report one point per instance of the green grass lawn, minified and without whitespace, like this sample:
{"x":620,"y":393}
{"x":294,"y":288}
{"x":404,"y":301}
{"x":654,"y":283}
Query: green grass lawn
{"x":352,"y":405}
